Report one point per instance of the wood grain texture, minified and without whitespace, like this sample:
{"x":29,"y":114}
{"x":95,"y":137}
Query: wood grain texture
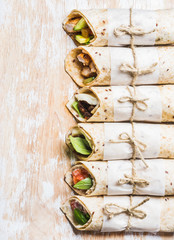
{"x":33,"y":118}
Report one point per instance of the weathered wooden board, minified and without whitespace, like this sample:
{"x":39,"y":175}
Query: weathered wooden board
{"x":33,"y":118}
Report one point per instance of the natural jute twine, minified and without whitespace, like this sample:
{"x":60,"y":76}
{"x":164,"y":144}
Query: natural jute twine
{"x":113,"y":209}
{"x":137,"y":146}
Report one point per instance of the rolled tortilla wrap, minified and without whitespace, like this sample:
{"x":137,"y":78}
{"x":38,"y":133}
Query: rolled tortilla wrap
{"x":98,"y":174}
{"x":158,"y":211}
{"x":113,"y":178}
{"x":109,"y":141}
{"x":158,"y":26}
{"x":155,"y":104}
{"x":108,"y":61}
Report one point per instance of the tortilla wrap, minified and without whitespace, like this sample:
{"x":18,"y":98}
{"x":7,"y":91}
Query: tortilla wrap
{"x":159,"y":101}
{"x":108,"y":61}
{"x":106,"y":175}
{"x":107,"y":145}
{"x":159,"y":214}
{"x":157,"y":24}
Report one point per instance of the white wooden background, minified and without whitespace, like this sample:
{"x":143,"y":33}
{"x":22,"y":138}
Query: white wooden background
{"x":33,"y":119}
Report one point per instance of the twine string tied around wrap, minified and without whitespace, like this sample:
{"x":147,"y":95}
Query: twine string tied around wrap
{"x":136,"y":144}
{"x":133,"y":180}
{"x":113,"y":209}
{"x":134,"y":71}
{"x":140,"y":103}
{"x":127,"y":68}
{"x":131,"y":30}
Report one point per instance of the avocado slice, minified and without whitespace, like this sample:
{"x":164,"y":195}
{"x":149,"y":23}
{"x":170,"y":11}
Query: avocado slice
{"x":88,"y":80}
{"x":80,"y":25}
{"x":81,"y":39}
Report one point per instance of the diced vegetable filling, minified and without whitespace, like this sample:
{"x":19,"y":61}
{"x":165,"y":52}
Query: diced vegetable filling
{"x":80,"y":145}
{"x":88,"y":70}
{"x":80,"y":214}
{"x":80,"y":29}
{"x":81,"y":179}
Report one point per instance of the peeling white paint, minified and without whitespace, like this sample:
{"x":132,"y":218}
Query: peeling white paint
{"x":152,"y":237}
{"x":27,"y":36}
{"x":11,"y":101}
{"x":27,"y":125}
{"x":48,"y":191}
{"x":24,"y":74}
{"x":16,"y":226}
{"x":31,"y":97}
{"x":52,"y":163}
{"x":5,"y":12}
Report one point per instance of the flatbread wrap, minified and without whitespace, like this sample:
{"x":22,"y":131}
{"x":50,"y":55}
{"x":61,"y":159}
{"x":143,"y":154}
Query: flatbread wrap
{"x":111,"y":27}
{"x":111,"y":141}
{"x":115,"y":104}
{"x":117,"y":178}
{"x":120,"y":213}
{"x":103,"y":66}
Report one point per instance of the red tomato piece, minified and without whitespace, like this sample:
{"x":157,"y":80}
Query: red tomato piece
{"x":79,"y":174}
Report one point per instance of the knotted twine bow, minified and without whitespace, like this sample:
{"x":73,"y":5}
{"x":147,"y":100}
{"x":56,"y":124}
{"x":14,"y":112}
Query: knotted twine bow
{"x":137,"y":145}
{"x":135,"y":72}
{"x":113,"y":209}
{"x":133,"y":180}
{"x":131,"y":30}
{"x":140,"y":103}
{"x":127,"y":68}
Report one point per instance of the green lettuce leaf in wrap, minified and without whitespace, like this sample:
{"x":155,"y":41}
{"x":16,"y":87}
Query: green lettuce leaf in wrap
{"x":80,"y":145}
{"x":81,"y":179}
{"x":80,"y":214}
{"x":84,"y":184}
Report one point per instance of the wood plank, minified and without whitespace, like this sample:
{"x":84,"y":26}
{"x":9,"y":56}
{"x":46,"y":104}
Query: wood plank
{"x":33,"y":118}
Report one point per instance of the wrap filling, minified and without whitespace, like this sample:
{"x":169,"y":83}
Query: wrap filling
{"x":85,"y":104}
{"x":79,"y":142}
{"x":85,"y":66}
{"x":81,"y":179}
{"x":81,"y":216}
{"x":78,"y":27}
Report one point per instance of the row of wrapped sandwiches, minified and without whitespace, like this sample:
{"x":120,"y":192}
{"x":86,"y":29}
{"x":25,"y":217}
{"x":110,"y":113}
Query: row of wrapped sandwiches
{"x":124,"y":143}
